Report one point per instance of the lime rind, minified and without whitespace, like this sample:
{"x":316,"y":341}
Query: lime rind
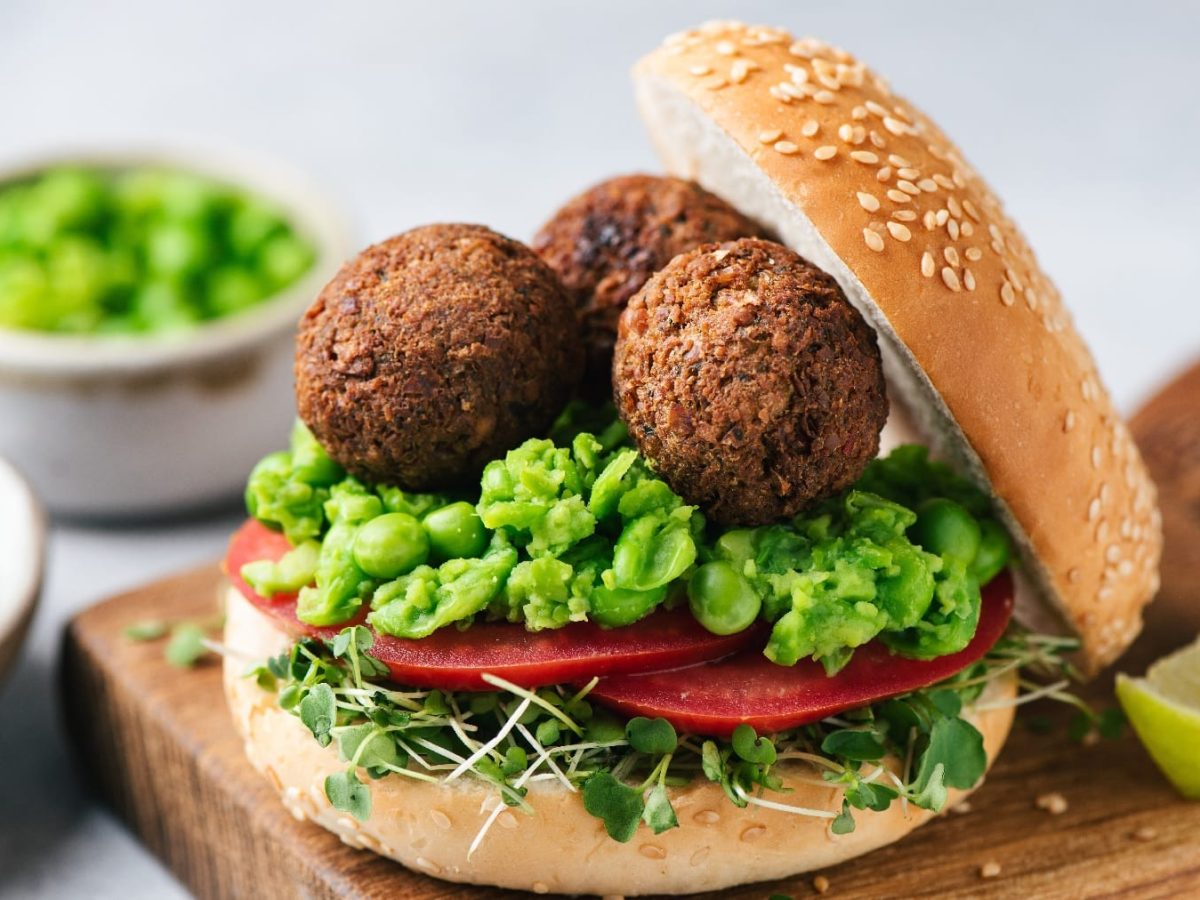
{"x":1164,"y":709}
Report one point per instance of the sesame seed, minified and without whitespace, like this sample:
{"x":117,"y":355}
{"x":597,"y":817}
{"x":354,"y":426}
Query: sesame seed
{"x":726,"y":48}
{"x":799,"y":74}
{"x":1095,"y":457}
{"x":864,"y":156}
{"x":989,"y":869}
{"x":904,"y":171}
{"x":825,"y":97}
{"x":876,"y":108}
{"x":899,"y":161}
{"x":715,"y":83}
{"x":810,"y":128}
{"x":779,"y":95}
{"x":884,"y":174}
{"x":1053,"y":803}
{"x":951,"y":256}
{"x":927,"y":264}
{"x":929,"y":220}
{"x":826,"y":152}
{"x":1006,"y":294}
{"x":700,"y":70}
{"x":1073,"y":575}
{"x":771,"y":135}
{"x":904,"y":215}
{"x":971,"y":211}
{"x":928,"y":185}
{"x":851,"y":75}
{"x":974,"y":254}
{"x":877,"y":139}
{"x":943,"y":216}
{"x":952,"y":229}
{"x":874,"y":240}
{"x":898,"y":196}
{"x":795,"y":91}
{"x":943,"y":181}
{"x":652,"y":851}
{"x":899,"y":231}
{"x":1069,"y":420}
{"x":869,"y":202}
{"x":821,"y":884}
{"x":955,"y":208}
{"x":845,"y":132}
{"x":968,"y":279}
{"x":740,"y":70}
{"x":908,"y":187}
{"x":787,"y":148}
{"x":858,"y":113}
{"x":1112,"y":553}
{"x":1093,"y":512}
{"x":895,"y":126}
{"x":950,"y":277}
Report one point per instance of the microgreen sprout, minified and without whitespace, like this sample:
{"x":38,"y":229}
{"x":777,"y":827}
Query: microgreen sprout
{"x":912,"y":749}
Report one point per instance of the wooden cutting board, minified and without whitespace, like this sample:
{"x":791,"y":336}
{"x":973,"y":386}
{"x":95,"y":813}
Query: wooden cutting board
{"x":160,"y":748}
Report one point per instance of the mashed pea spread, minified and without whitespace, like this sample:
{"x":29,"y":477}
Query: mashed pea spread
{"x":577,"y":527}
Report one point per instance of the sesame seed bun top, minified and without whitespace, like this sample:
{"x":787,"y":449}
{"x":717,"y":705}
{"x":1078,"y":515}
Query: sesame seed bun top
{"x":977,"y":344}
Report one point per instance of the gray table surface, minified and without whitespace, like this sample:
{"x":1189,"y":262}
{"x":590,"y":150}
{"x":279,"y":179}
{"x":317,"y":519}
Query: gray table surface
{"x":1081,"y":115}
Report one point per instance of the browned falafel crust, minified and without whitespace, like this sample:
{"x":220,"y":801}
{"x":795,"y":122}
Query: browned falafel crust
{"x":750,"y":381}
{"x":607,"y":241}
{"x":433,"y":352}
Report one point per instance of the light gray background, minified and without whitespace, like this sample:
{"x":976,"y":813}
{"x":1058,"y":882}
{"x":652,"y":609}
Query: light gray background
{"x":1082,"y":115}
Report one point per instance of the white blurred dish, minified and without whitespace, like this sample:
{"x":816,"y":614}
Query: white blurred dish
{"x":114,"y":426}
{"x":22,"y":550}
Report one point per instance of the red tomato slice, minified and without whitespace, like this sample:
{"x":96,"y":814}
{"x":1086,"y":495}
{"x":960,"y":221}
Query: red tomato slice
{"x":716,"y":697}
{"x":455,"y":660}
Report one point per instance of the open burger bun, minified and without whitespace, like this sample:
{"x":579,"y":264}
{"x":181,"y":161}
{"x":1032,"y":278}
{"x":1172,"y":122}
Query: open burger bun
{"x":977,"y":344}
{"x":560,"y":848}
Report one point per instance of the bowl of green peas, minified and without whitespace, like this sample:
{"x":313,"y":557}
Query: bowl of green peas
{"x":148,"y":303}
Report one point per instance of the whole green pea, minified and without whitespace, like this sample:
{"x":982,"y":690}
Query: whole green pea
{"x":390,"y":545}
{"x":994,"y":551}
{"x":945,"y":528}
{"x":722,"y":599}
{"x":455,"y":531}
{"x":616,"y":607}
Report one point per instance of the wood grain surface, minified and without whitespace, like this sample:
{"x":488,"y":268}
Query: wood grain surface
{"x":161,"y":750}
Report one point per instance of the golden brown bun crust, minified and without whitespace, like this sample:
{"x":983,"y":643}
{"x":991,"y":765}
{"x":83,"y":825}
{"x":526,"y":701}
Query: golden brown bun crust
{"x":867,"y":187}
{"x":560,"y":848}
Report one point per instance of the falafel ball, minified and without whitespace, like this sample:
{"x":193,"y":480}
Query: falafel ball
{"x":750,"y":381}
{"x":607,"y":241}
{"x":433,"y":352}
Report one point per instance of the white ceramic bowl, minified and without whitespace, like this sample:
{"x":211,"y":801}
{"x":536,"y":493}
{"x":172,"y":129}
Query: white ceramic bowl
{"x":22,"y":550}
{"x":118,"y":426}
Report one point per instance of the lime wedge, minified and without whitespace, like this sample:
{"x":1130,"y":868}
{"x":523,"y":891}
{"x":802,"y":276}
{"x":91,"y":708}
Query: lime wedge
{"x":1164,"y":709}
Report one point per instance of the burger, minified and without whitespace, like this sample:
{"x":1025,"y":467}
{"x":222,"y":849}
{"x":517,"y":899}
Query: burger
{"x":758,"y":612}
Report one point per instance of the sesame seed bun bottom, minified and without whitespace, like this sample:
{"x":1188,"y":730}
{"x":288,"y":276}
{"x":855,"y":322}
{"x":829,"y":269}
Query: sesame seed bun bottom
{"x":560,"y":848}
